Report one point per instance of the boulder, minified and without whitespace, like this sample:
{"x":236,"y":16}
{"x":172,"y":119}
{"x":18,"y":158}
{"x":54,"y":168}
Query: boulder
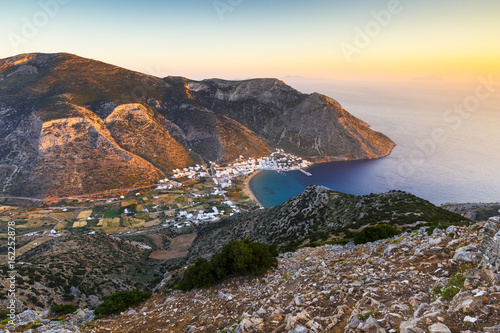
{"x":410,"y":326}
{"x":439,"y":328}
{"x":469,"y":253}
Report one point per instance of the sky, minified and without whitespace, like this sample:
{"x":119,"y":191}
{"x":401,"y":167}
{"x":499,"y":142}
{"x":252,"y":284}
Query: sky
{"x":235,"y":39}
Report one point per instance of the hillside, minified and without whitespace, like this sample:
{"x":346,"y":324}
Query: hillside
{"x":411,"y":283}
{"x":70,"y":125}
{"x":81,"y":266}
{"x":318,"y":214}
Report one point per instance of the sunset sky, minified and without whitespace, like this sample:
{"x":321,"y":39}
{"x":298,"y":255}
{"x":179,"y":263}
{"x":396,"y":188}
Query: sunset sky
{"x":450,"y":39}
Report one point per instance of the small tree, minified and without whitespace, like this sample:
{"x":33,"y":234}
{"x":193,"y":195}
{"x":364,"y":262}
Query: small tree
{"x":236,"y":258}
{"x":376,"y":232}
{"x":120,"y":301}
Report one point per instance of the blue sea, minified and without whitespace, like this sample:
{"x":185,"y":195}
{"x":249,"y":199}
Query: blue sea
{"x":447,"y":137}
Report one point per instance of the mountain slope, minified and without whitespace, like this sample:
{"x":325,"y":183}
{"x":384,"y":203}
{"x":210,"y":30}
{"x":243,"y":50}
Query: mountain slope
{"x":152,"y":125}
{"x":317,"y":212}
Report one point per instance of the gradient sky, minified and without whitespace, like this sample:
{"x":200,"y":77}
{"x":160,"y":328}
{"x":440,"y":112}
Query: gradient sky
{"x":452,"y":39}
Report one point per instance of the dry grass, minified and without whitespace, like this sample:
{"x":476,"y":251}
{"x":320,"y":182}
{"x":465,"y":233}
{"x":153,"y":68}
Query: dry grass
{"x":84,"y":214}
{"x":168,"y":254}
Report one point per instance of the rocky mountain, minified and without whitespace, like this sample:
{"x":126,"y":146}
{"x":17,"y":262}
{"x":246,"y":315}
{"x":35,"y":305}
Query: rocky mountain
{"x":478,"y":211}
{"x":70,"y":125}
{"x":318,"y":213}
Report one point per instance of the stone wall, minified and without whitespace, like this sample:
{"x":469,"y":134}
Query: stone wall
{"x":490,"y":246}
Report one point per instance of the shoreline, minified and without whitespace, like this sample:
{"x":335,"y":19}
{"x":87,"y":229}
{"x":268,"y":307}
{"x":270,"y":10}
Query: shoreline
{"x":247,"y":189}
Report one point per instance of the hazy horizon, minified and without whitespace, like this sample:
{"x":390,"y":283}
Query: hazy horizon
{"x":363,"y":40}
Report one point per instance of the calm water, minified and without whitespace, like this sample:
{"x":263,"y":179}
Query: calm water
{"x":462,"y":166}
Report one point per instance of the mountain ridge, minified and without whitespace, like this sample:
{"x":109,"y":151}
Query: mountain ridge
{"x":318,"y":213}
{"x":189,"y":122}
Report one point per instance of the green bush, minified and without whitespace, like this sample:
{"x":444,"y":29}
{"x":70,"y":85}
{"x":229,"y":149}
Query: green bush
{"x":120,"y":301}
{"x":376,"y":232}
{"x":236,"y":258}
{"x":62,"y":309}
{"x":452,"y":287}
{"x":3,"y":315}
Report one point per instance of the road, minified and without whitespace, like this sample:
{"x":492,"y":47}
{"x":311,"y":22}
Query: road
{"x":21,"y":198}
{"x":55,"y":218}
{"x":139,"y":232}
{"x":81,"y":196}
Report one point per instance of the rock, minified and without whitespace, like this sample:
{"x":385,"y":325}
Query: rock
{"x":80,"y":314}
{"x":468,"y":306}
{"x":93,"y":301}
{"x":435,"y":241}
{"x":470,"y":319}
{"x":314,"y":326}
{"x":131,"y":312}
{"x":261,"y":311}
{"x":27,"y":316}
{"x":421,"y":309}
{"x":371,"y":326}
{"x":300,"y":329}
{"x":45,"y":314}
{"x":451,"y":229}
{"x":75,"y":292}
{"x":410,"y":326}
{"x":439,"y":328}
{"x":244,"y":326}
{"x":353,"y":323}
{"x":492,"y":329}
{"x":467,"y":253}
{"x":190,"y":329}
{"x":390,"y":248}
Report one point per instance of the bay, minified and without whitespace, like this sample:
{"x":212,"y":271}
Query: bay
{"x":462,"y":166}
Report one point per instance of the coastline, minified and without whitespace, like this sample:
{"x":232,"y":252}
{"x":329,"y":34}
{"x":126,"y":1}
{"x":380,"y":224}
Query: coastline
{"x":247,"y":189}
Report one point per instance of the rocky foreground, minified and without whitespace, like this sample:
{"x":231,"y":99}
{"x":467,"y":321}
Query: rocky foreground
{"x":443,"y":282}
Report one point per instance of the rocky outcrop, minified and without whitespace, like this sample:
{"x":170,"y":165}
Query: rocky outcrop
{"x":164,"y":123}
{"x":490,"y":246}
{"x":330,"y":289}
{"x":137,"y":129}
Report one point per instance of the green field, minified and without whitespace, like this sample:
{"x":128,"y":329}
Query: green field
{"x":112,"y":212}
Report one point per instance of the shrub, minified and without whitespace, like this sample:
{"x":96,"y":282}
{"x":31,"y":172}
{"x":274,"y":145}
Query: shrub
{"x":376,"y":232}
{"x":452,"y":287}
{"x":235,"y":259}
{"x":61,"y":309}
{"x":3,"y":315}
{"x":367,"y":314}
{"x":120,"y":301}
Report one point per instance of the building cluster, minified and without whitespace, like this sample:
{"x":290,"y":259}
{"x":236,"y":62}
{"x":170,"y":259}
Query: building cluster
{"x":187,"y":219}
{"x":276,"y":161}
{"x":192,"y":172}
{"x":222,"y":175}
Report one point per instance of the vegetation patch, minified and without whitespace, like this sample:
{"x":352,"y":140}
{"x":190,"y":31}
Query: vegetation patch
{"x":367,"y":314}
{"x":62,"y":309}
{"x":120,"y":301}
{"x":452,"y":287}
{"x":374,"y":233}
{"x":235,"y":259}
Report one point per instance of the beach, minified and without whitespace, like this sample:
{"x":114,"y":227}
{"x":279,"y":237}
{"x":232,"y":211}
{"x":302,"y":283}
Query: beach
{"x":247,"y":187}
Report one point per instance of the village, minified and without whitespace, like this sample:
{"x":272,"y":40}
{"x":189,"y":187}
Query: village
{"x":189,"y":197}
{"x":223,"y":175}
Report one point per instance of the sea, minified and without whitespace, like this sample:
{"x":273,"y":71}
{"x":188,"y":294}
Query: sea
{"x":447,"y":136}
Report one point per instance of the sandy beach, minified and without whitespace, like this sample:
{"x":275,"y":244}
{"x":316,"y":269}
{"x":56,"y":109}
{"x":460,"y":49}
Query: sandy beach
{"x":247,"y":187}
